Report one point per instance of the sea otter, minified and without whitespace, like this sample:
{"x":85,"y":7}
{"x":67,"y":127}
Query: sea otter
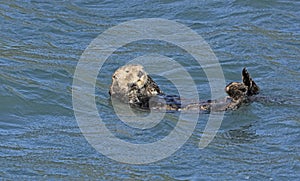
{"x":132,"y":85}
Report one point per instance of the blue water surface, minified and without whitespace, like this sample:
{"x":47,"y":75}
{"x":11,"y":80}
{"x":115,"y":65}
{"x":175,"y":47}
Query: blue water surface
{"x":42,"y":41}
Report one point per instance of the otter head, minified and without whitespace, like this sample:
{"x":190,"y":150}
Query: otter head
{"x":241,"y":90}
{"x":133,"y":85}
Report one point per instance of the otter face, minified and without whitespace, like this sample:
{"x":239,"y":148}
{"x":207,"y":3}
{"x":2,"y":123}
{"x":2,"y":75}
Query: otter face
{"x":133,"y":85}
{"x":127,"y":77}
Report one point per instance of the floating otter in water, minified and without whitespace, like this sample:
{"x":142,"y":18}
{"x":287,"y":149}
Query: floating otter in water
{"x":132,"y":85}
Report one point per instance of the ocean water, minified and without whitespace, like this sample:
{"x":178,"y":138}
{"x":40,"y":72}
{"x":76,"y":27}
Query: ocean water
{"x":41,"y":44}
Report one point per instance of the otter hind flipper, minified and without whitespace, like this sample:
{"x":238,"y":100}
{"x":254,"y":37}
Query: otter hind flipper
{"x":246,"y":77}
{"x":253,"y":89}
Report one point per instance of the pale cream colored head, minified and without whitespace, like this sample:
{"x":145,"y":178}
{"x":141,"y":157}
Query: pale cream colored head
{"x":127,"y":76}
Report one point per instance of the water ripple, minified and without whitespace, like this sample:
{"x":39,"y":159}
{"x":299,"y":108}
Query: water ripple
{"x":41,"y":43}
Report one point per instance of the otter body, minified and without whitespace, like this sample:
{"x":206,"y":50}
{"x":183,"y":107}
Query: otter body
{"x":131,"y":84}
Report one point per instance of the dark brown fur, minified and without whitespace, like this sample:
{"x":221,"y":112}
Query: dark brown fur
{"x":131,"y":84}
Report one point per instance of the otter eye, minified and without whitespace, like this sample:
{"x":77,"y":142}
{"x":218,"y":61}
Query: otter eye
{"x":140,"y":74}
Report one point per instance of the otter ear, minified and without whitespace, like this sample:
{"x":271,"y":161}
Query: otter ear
{"x":247,"y":80}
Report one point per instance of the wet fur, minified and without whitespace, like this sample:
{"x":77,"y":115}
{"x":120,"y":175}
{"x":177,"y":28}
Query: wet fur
{"x":241,"y":92}
{"x":131,"y":84}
